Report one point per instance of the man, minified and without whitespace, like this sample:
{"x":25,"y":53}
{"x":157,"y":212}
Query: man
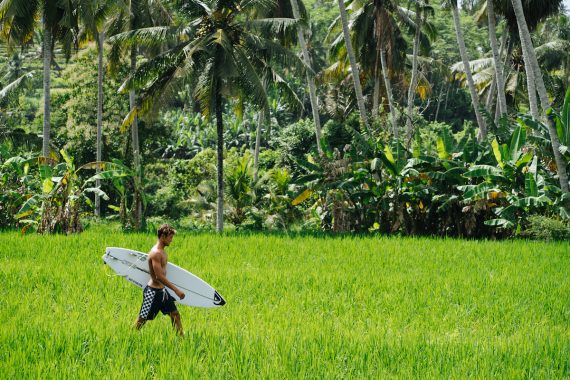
{"x":155,"y":296}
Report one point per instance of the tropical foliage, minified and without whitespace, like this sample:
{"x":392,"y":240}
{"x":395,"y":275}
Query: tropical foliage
{"x":368,"y":116}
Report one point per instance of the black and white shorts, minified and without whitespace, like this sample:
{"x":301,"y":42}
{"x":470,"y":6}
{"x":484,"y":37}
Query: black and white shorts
{"x":155,"y":300}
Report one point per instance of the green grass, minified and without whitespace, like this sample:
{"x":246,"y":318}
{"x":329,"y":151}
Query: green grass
{"x":298,"y":307}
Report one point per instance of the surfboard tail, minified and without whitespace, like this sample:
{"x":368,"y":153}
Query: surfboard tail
{"x":218,"y":299}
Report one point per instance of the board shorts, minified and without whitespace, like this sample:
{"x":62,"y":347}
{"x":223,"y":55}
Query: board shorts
{"x":155,"y":300}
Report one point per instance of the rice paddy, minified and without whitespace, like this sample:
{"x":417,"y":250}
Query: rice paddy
{"x":298,"y":307}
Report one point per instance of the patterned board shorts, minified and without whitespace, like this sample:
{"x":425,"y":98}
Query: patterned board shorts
{"x":155,"y":300}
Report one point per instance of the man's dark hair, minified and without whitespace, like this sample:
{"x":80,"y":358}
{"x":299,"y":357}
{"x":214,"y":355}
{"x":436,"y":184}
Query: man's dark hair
{"x":165,"y":230}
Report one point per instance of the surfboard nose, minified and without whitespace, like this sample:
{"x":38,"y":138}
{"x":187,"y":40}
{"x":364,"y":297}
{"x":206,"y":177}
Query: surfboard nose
{"x":218,"y":299}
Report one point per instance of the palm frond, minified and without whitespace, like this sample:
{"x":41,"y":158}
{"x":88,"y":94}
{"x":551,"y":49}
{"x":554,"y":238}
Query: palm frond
{"x":475,"y":65}
{"x":274,"y":25}
{"x":152,"y":36}
{"x":152,"y":70}
{"x":13,"y":88}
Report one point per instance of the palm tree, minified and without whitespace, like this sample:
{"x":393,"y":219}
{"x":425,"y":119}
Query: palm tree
{"x":500,"y":81}
{"x":310,"y":77}
{"x":463,"y":52}
{"x":352,"y":60}
{"x":18,"y":22}
{"x":92,"y":15}
{"x":532,"y":67}
{"x":131,"y":16}
{"x":221,"y":56}
{"x":422,"y":9}
{"x":385,"y":52}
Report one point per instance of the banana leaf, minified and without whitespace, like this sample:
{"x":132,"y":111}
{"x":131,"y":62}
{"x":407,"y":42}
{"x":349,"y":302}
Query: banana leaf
{"x":484,"y":171}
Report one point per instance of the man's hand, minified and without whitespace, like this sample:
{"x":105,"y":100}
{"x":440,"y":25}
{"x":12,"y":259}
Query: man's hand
{"x":180,"y":294}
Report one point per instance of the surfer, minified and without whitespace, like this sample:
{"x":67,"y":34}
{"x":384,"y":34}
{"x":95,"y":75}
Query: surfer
{"x":155,"y":296}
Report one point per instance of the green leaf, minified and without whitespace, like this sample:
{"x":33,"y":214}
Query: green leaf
{"x":47,"y":185}
{"x":518,"y":139}
{"x":530,"y":185}
{"x":441,"y":152}
{"x":524,"y":159}
{"x":500,"y":223}
{"x":97,"y":191}
{"x":483,"y":171}
{"x":497,"y":153}
{"x":477,"y":191}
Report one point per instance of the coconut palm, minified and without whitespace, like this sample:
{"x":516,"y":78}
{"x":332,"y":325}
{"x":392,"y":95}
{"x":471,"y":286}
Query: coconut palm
{"x":352,"y":59}
{"x":310,"y":78}
{"x":385,"y":53}
{"x":499,"y":78}
{"x":535,"y":74}
{"x":535,"y":11}
{"x":421,"y":9}
{"x":92,"y":15}
{"x":132,"y":15}
{"x":18,"y":21}
{"x":463,"y":52}
{"x":221,"y":55}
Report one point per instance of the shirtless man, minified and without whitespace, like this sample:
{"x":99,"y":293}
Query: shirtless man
{"x":155,"y":296}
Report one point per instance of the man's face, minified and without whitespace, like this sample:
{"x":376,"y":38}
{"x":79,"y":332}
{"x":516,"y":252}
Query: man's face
{"x":166,"y":240}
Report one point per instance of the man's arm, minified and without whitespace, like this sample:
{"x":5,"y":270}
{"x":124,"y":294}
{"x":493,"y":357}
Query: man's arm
{"x":160,"y":276}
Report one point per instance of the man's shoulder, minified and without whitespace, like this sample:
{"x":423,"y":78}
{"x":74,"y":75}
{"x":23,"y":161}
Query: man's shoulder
{"x":155,"y":253}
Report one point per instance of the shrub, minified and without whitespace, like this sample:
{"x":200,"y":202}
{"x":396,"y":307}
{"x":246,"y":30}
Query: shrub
{"x":547,"y":228}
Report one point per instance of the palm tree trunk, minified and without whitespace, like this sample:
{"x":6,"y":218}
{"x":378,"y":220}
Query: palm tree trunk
{"x":531,"y":64}
{"x":463,"y":52}
{"x":439,"y":103}
{"x":500,"y":81}
{"x":260,"y":121}
{"x":352,"y":60}
{"x":310,"y":78}
{"x":491,"y":95}
{"x":220,"y":159}
{"x":137,"y":207}
{"x":414,"y":79}
{"x":100,"y":40}
{"x":47,"y":89}
{"x":389,"y":93}
{"x":376,"y":94}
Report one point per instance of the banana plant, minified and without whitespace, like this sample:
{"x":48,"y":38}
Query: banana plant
{"x":513,"y":188}
{"x":56,"y":205}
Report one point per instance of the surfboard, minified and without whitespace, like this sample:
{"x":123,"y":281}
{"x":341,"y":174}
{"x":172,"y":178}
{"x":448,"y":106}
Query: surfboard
{"x":133,"y":266}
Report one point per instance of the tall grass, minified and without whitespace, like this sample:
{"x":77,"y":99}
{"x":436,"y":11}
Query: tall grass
{"x":298,"y":307}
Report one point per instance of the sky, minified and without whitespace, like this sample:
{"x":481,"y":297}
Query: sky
{"x":567,"y":5}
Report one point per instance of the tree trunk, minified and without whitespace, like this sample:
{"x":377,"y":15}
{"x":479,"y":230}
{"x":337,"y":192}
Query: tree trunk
{"x":310,"y":79}
{"x":389,"y":93}
{"x":47,"y":89}
{"x":220,"y":159}
{"x":532,"y":63}
{"x":376,"y":94}
{"x":137,"y":206}
{"x":439,"y":102}
{"x":100,"y":41}
{"x":352,"y":60}
{"x":474,"y":97}
{"x":260,"y":121}
{"x":500,"y":80}
{"x":414,"y":79}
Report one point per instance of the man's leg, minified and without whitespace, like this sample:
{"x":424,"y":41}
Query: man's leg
{"x":139,"y":323}
{"x":176,"y":322}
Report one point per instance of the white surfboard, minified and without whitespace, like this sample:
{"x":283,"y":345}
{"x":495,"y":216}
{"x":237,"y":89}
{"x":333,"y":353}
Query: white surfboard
{"x":133,"y":266}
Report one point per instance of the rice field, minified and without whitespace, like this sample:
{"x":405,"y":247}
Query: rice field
{"x":298,"y":307}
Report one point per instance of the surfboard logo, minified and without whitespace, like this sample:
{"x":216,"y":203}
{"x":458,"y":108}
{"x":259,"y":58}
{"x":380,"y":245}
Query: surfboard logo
{"x":218,"y":300}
